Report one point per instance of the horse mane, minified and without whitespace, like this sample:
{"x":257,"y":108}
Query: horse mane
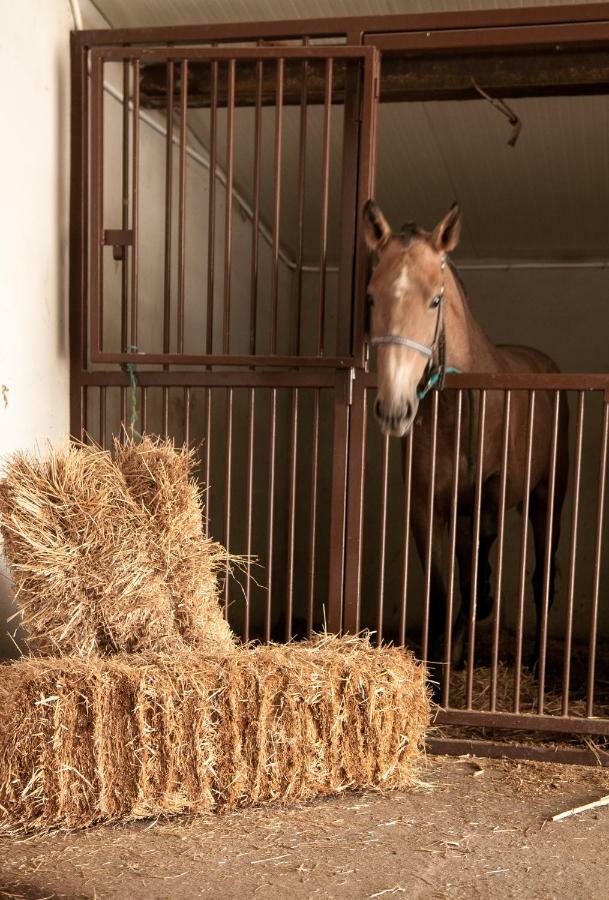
{"x":409,"y":231}
{"x":458,"y":277}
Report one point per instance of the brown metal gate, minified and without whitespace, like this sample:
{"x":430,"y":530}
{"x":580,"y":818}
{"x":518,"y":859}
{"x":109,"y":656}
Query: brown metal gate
{"x":252,"y":357}
{"x":218,"y":324}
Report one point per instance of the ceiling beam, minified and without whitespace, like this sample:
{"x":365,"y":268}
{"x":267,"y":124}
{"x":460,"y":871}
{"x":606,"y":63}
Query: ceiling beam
{"x":531,"y":73}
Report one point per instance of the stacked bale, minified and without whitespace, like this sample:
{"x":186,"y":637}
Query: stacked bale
{"x":130,"y":736}
{"x":105,"y":558}
{"x":149,"y":707}
{"x":161,"y":480}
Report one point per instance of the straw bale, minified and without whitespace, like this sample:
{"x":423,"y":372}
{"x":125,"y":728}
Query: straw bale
{"x":160,"y":477}
{"x":100,"y":570}
{"x":131,"y":736}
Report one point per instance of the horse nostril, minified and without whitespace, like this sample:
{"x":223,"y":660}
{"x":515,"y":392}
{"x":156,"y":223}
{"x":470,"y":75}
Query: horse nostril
{"x":378,"y":409}
{"x":407,"y":410}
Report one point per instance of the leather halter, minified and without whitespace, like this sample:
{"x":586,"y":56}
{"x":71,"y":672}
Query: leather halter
{"x":435,"y":372}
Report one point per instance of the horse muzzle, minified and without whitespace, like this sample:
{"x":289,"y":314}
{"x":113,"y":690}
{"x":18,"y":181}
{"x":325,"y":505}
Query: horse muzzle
{"x":396,"y":420}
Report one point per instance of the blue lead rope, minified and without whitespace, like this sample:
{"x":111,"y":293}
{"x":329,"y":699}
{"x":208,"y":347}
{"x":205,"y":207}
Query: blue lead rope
{"x":433,"y":380}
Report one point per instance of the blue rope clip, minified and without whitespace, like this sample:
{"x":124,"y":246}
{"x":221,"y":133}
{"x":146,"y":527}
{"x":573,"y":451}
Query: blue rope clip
{"x":433,"y":380}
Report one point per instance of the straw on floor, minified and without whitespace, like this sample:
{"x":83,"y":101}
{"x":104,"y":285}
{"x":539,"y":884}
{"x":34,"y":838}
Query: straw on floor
{"x":129,"y":736}
{"x":109,"y":556}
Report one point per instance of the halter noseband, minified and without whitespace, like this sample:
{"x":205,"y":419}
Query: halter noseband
{"x":435,"y":373}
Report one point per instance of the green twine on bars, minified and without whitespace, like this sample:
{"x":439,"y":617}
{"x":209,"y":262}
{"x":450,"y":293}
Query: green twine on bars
{"x":131,"y":370}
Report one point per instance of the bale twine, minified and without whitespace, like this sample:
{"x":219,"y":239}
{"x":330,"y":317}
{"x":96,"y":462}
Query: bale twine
{"x":84,"y":556}
{"x":132,"y":736}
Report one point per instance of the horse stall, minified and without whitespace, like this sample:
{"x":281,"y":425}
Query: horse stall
{"x":219,"y":272}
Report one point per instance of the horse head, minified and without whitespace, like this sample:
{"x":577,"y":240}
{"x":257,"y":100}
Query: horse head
{"x":406,"y":295}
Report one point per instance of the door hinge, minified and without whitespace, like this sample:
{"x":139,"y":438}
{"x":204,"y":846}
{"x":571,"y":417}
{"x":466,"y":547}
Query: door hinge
{"x":349,"y":386}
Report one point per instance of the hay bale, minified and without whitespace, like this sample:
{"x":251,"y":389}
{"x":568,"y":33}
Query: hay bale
{"x":160,"y":477}
{"x":125,"y":737}
{"x":83,"y":555}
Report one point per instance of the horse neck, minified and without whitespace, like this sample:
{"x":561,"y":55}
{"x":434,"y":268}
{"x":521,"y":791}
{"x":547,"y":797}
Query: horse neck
{"x":467,"y":347}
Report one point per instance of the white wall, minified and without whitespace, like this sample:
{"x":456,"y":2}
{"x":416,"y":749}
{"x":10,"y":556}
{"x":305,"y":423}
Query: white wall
{"x":34,"y":162}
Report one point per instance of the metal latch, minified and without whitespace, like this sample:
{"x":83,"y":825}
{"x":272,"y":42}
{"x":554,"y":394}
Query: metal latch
{"x":118,"y":239}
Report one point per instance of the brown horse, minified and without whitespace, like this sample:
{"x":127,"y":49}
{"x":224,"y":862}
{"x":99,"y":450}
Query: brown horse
{"x":421,"y":324}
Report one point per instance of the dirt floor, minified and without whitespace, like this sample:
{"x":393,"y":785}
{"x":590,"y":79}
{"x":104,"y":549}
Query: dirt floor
{"x":475,"y":828}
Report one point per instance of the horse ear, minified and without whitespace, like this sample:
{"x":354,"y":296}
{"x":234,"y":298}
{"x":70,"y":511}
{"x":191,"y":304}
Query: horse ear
{"x":376,"y":226}
{"x":446,"y":234}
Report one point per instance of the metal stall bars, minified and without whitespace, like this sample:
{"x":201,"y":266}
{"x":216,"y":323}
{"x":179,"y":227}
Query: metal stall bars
{"x":516,"y":38}
{"x":251,"y":422}
{"x":210,"y":73}
{"x":496,"y":688}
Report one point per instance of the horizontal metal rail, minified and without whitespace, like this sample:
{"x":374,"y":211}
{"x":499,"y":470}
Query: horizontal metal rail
{"x":203,"y":378}
{"x":272,"y":54}
{"x":523,"y":381}
{"x":354,"y":27}
{"x":502,"y":750}
{"x":523,"y":721}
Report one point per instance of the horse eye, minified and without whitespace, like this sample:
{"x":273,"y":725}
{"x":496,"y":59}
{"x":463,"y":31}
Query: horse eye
{"x":436,"y":301}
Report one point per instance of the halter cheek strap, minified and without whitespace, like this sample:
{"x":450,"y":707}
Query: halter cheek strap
{"x":435,"y":373}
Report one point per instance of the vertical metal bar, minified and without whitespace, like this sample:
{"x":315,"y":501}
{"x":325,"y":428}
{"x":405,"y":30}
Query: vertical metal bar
{"x":144,"y":401}
{"x":208,"y":423}
{"x":313,"y":513}
{"x":228,"y":222}
{"x":566,"y":676}
{"x":364,"y":179}
{"x":256,"y":207}
{"x":250,"y":503}
{"x":541,"y":677}
{"x":505,"y":443}
{"x":123,"y":413}
{"x":168,"y":210}
{"x":598,"y":544}
{"x":407,"y":467}
{"x":97,"y":205}
{"x":187,"y":416}
{"x":84,"y":437}
{"x":452,"y":542}
{"x":475,"y":547}
{"x":325,"y":193}
{"x":125,"y":210}
{"x":211,"y":225}
{"x":289,"y":612}
{"x":339,"y":540}
{"x":182,"y":203}
{"x":165,"y":425}
{"x":357,"y":457}
{"x":382,"y":541}
{"x":276,"y":203}
{"x":524,"y":534}
{"x":302,"y":157}
{"x":271,"y":514}
{"x":79,"y":200}
{"x":430,"y":522}
{"x":135,"y":181}
{"x":227,"y":492}
{"x":102,"y":416}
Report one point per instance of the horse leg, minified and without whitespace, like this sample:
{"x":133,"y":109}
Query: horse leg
{"x":538,"y":514}
{"x":437,"y":588}
{"x":484,"y":599}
